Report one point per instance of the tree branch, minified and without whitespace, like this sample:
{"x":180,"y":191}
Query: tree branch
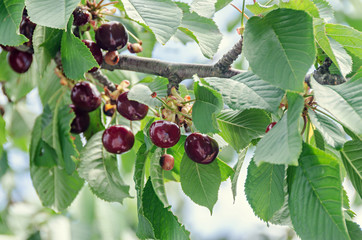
{"x":103,"y":80}
{"x":225,"y":62}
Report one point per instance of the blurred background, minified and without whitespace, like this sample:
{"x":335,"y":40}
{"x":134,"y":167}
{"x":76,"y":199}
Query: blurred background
{"x":23,"y":217}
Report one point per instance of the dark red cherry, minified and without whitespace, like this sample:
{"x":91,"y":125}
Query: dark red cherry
{"x":270,"y":126}
{"x":201,"y":148}
{"x":118,"y":139}
{"x":20,"y":61}
{"x":85,"y":96}
{"x":164,"y":134}
{"x":27,"y":27}
{"x":81,"y":121}
{"x":111,"y":36}
{"x":96,"y":52}
{"x":132,"y":110}
{"x":7,"y":48}
{"x":81,"y":16}
{"x":167,"y":161}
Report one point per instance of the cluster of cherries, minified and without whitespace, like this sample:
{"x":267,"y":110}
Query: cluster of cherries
{"x":110,"y":36}
{"x":20,"y":61}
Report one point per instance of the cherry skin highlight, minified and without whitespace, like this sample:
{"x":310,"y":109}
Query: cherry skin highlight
{"x":118,"y":139}
{"x":167,"y":161}
{"x":111,"y":36}
{"x":164,"y":134}
{"x":96,"y":52}
{"x":85,"y":96}
{"x":20,"y":61}
{"x":132,"y":110}
{"x":201,"y":148}
{"x":270,"y":126}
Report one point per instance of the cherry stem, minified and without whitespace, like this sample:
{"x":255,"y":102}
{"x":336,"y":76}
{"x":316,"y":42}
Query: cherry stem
{"x":107,"y":4}
{"x":242,"y":16}
{"x":99,"y":4}
{"x":190,"y":101}
{"x":246,"y":16}
{"x":308,"y":130}
{"x":305,"y":124}
{"x":266,"y":4}
{"x":130,"y":125}
{"x":172,"y":109}
{"x":133,"y":36}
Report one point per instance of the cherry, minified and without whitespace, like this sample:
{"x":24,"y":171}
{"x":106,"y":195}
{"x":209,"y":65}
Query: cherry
{"x":118,"y":139}
{"x":85,"y":96}
{"x":20,"y":61}
{"x":164,"y":134}
{"x":111,"y":36}
{"x":81,"y":16}
{"x":134,"y":47}
{"x":109,"y":109}
{"x":96,"y":52}
{"x":270,"y":126}
{"x":111,"y":58}
{"x":81,"y":121}
{"x":167,"y":161}
{"x":132,"y":110}
{"x":7,"y":48}
{"x":27,"y":27}
{"x":201,"y":148}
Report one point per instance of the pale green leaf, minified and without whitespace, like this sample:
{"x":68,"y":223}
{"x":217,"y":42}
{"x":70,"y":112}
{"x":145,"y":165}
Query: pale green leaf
{"x":6,"y":72}
{"x":142,"y":93}
{"x":225,"y":170}
{"x":200,"y":182}
{"x":331,"y":133}
{"x":264,"y":188}
{"x":156,"y":175}
{"x":283,"y":143}
{"x":352,"y":161}
{"x":325,"y":10}
{"x":163,"y":17}
{"x":76,"y":56}
{"x":54,"y":14}
{"x":11,"y":12}
{"x":204,"y":31}
{"x":315,"y":199}
{"x":247,"y":90}
{"x":333,"y":49}
{"x":306,"y":5}
{"x":164,"y":223}
{"x":99,"y":168}
{"x":349,"y":38}
{"x":238,"y":128}
{"x":204,"y":8}
{"x":220,"y":4}
{"x":259,"y":9}
{"x":354,"y":230}
{"x":206,"y":107}
{"x":344,"y":102}
{"x":237,"y":169}
{"x":283,"y":55}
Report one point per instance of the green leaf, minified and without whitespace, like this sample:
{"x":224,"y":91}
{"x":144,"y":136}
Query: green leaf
{"x":331,"y":133}
{"x":95,"y":124}
{"x":238,"y":128}
{"x":158,"y":85}
{"x":144,"y":228}
{"x":200,"y":182}
{"x":306,"y":5}
{"x":325,"y":10}
{"x":206,"y":107}
{"x":237,"y":169}
{"x":161,"y":17}
{"x":11,"y":12}
{"x":334,"y":50}
{"x":203,"y":8}
{"x":247,"y":90}
{"x":99,"y":168}
{"x":225,"y":170}
{"x":319,"y":141}
{"x":220,"y":4}
{"x":142,"y":93}
{"x":2,"y":132}
{"x":21,"y":121}
{"x":156,"y":175}
{"x":283,"y":143}
{"x":283,"y":55}
{"x":76,"y":57}
{"x":352,"y":161}
{"x":42,"y":53}
{"x":264,"y":188}
{"x":349,"y":38}
{"x":259,"y":9}
{"x":204,"y":31}
{"x":354,"y":230}
{"x":6,"y":73}
{"x":342,"y":101}
{"x":315,"y":199}
{"x":165,"y":224}
{"x":54,"y":14}
{"x":55,"y":188}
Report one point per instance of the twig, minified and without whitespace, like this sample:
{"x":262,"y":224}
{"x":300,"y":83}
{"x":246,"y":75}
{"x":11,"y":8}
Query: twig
{"x":225,"y":62}
{"x":98,"y":75}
